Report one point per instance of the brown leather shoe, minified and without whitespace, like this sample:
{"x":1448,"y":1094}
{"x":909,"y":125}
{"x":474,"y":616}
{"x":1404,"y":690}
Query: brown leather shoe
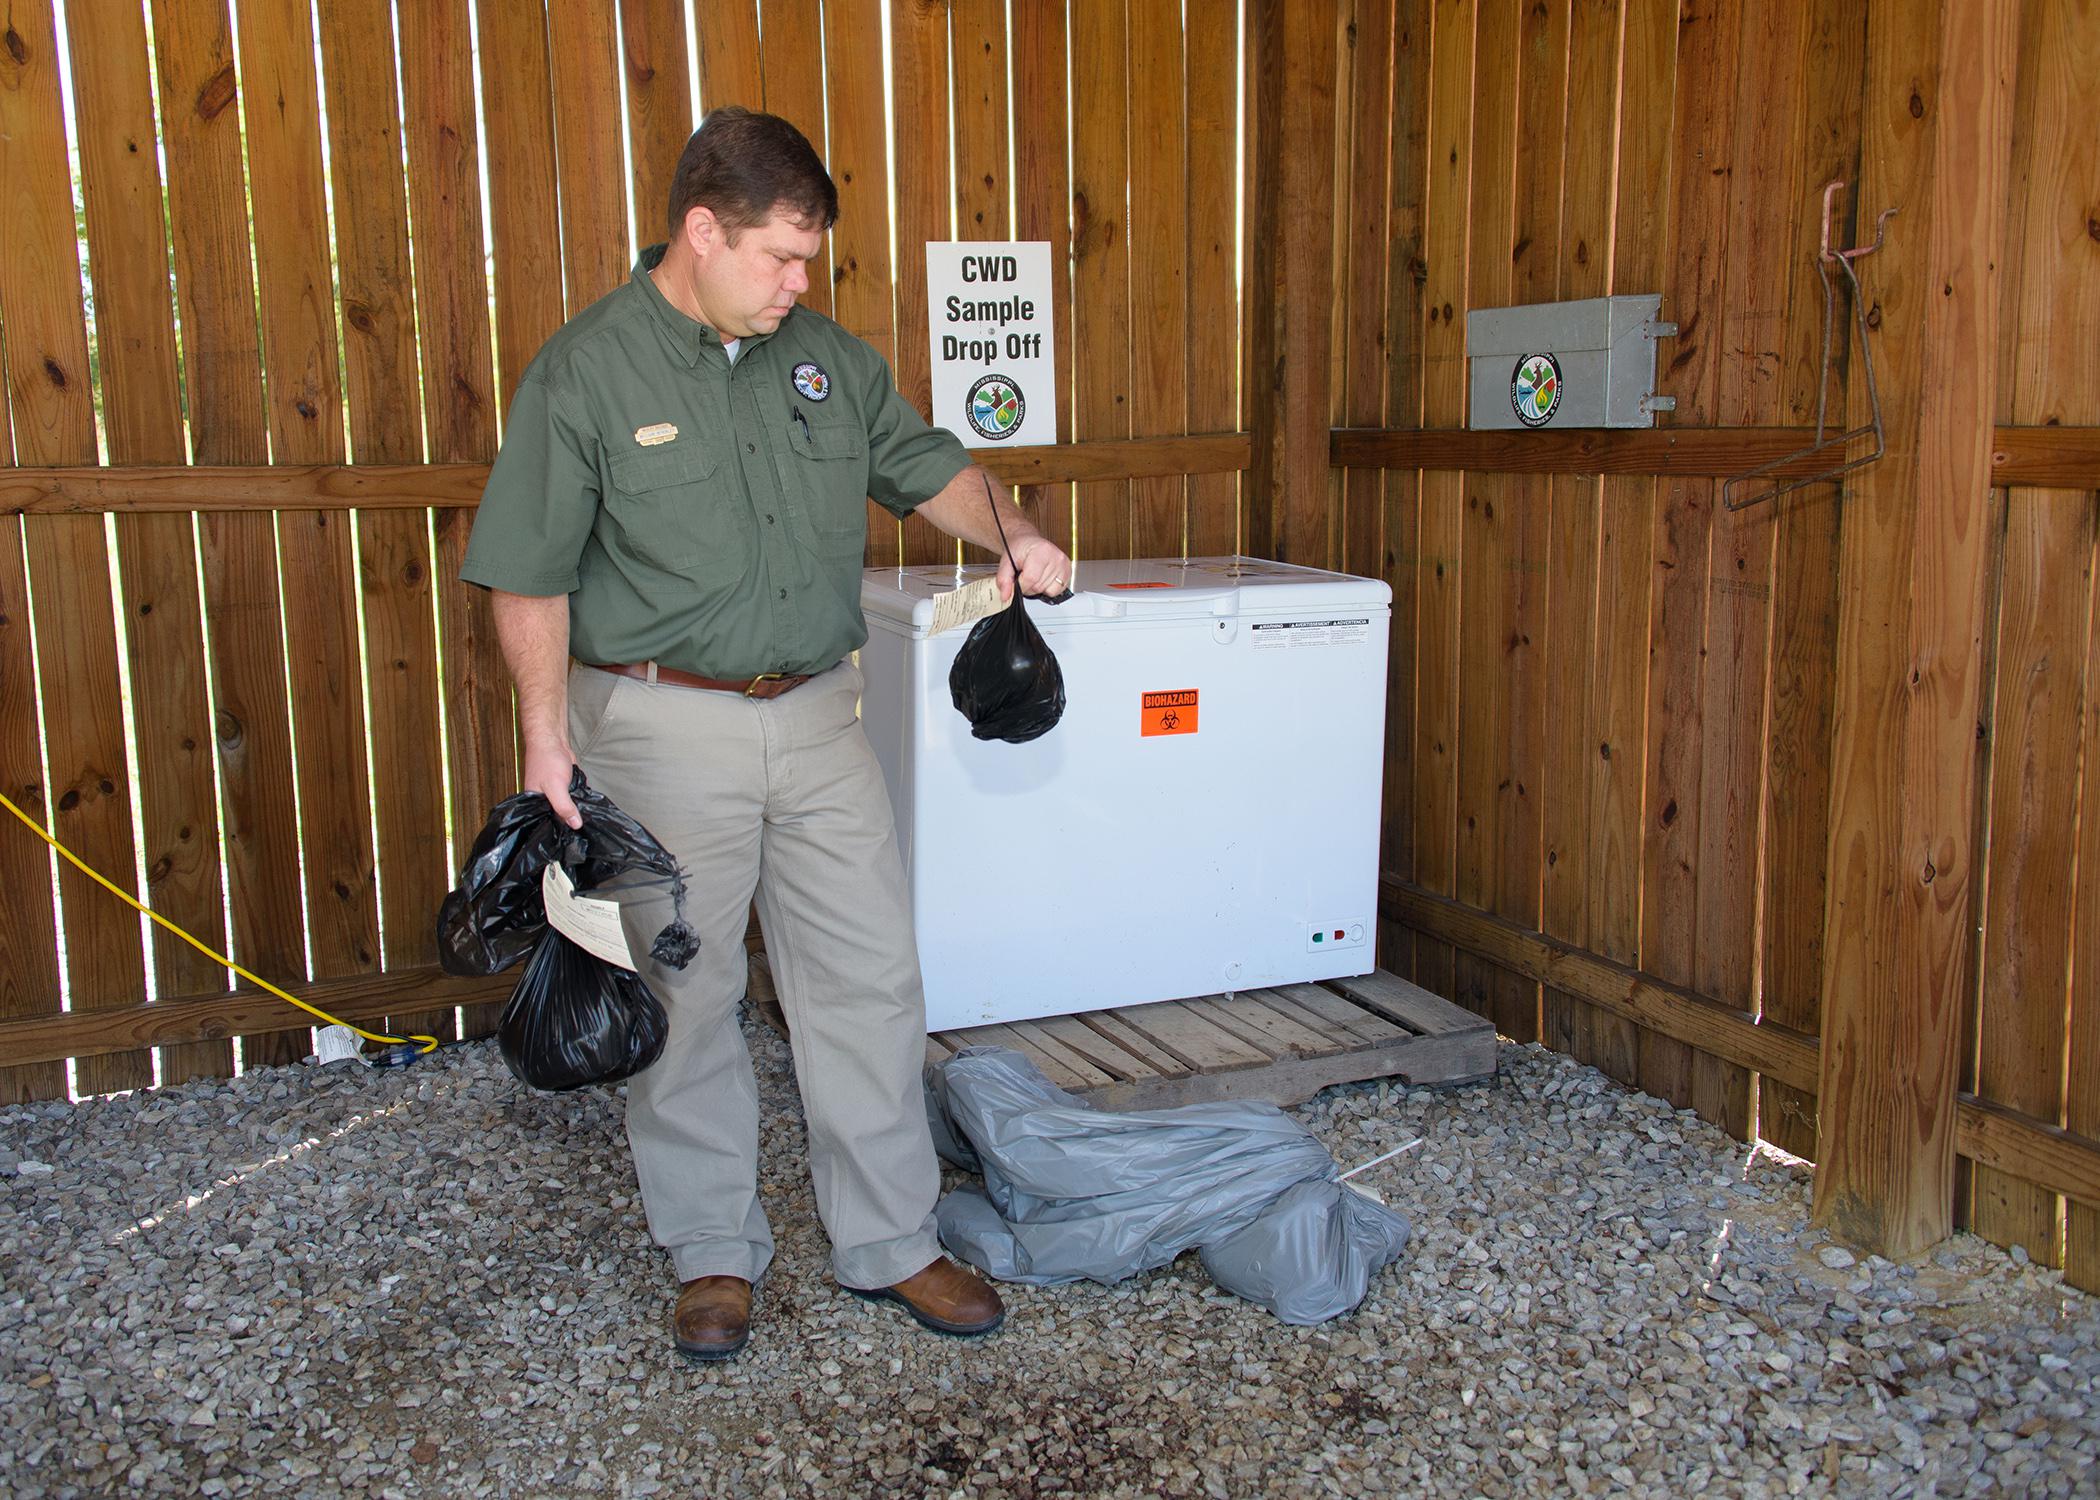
{"x":713,"y":1320}
{"x":944,"y":1297}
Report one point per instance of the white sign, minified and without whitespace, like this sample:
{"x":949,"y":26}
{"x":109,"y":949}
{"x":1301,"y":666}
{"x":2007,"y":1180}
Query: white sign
{"x":994,"y":353}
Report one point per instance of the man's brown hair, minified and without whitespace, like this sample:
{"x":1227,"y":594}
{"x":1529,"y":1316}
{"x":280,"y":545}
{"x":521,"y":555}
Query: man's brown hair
{"x":742,"y":165}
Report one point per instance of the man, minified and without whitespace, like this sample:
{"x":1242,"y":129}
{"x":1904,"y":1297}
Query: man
{"x":679,"y":506}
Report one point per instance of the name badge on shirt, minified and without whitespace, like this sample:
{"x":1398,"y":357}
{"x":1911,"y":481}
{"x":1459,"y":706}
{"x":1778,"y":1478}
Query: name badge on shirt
{"x":655,"y":433}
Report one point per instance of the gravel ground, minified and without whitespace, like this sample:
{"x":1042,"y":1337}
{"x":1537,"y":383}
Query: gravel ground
{"x":431,"y":1282}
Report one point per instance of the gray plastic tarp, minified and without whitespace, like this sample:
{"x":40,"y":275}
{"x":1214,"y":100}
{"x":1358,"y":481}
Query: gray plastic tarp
{"x":1072,"y":1192}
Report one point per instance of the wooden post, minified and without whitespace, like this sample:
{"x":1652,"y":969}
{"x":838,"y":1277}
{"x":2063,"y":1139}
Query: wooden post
{"x":1291,"y":289}
{"x":1900,"y":920}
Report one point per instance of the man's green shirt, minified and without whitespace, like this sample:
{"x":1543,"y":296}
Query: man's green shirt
{"x":704,"y":514}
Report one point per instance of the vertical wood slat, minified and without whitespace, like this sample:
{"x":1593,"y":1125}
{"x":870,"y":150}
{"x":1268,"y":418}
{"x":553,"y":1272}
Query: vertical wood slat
{"x":860,"y":244}
{"x":2059,"y":54}
{"x":1400,"y":562}
{"x":1709,"y":36}
{"x":659,"y":106}
{"x":1159,"y":300}
{"x":1574,"y":525}
{"x":1765,"y":197}
{"x":2082,"y":1090}
{"x":978,"y":40}
{"x":208,"y":207}
{"x":977,"y":29}
{"x":1101,"y":331}
{"x":1365,"y":187}
{"x":517,"y":101}
{"x":1804,"y":594}
{"x":53,"y":422}
{"x":395,"y":562}
{"x":731,"y":67}
{"x":591,"y":174}
{"x":794,"y":90}
{"x":1043,"y":211}
{"x":2045,"y":604}
{"x":1290,"y":281}
{"x":1439,"y":587}
{"x":1522,"y":528}
{"x":1903,"y":866}
{"x":1490,"y":646}
{"x":925,"y":211}
{"x":459,"y":418}
{"x":305,"y":413}
{"x":164,"y":626}
{"x":1619,"y":790}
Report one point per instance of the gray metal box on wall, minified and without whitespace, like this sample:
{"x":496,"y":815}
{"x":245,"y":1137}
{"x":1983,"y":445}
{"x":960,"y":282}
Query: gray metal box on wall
{"x":1566,"y":364}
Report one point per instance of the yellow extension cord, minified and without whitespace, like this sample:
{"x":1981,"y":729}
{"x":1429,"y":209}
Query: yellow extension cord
{"x":429,"y":1043}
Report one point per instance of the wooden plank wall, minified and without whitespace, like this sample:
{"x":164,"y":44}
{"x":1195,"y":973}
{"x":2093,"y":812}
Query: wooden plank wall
{"x":369,"y":217}
{"x":1611,"y":713}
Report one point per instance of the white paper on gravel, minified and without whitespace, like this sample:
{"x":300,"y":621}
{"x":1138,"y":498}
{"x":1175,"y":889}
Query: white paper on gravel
{"x":591,"y":924}
{"x":334,"y":1044}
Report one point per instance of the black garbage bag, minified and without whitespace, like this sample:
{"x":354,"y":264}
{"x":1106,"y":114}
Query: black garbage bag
{"x":496,"y":915}
{"x":1006,"y":680}
{"x":575,"y":1019}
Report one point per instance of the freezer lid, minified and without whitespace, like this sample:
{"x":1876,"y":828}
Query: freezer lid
{"x":1123,"y":588}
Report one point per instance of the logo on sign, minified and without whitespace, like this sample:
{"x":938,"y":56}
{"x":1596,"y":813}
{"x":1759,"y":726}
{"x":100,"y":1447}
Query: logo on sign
{"x":1167,"y":713}
{"x":994,"y":407}
{"x":1534,"y":390}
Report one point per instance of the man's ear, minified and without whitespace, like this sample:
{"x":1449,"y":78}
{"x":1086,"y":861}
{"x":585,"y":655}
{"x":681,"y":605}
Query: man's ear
{"x":703,"y":231}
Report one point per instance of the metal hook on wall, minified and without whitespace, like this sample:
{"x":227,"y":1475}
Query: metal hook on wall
{"x":1843,"y":260}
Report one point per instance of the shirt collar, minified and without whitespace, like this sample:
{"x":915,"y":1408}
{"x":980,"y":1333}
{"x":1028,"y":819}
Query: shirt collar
{"x":688,"y":335}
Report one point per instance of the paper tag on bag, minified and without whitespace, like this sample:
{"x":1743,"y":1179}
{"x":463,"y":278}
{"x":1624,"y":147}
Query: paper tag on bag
{"x":967,"y":605}
{"x":591,"y":924}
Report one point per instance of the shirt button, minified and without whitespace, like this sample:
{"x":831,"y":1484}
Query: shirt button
{"x":783,"y":593}
{"x":750,"y":448}
{"x":769,"y":520}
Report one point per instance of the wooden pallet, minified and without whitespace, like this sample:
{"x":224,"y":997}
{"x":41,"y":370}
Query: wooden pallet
{"x":1283,"y":1044}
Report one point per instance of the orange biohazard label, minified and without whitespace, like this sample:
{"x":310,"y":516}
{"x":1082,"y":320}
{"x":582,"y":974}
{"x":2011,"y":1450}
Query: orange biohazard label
{"x":1155,"y":584}
{"x":1168,"y":713}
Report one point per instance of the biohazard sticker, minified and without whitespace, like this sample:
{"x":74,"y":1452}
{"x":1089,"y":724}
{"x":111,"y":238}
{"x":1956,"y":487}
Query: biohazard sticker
{"x":1534,"y":389}
{"x":1168,"y":713}
{"x":811,"y":381}
{"x":994,"y":407}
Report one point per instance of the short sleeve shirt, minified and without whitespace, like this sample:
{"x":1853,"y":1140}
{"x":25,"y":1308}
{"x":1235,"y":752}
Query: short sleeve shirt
{"x":706,"y":514}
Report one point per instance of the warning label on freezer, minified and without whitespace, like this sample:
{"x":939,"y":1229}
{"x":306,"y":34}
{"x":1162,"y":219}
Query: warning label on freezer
{"x":1168,"y":713}
{"x":1311,"y":633}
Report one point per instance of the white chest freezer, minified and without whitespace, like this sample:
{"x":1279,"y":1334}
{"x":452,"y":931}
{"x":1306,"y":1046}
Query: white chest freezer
{"x":1204,"y":819}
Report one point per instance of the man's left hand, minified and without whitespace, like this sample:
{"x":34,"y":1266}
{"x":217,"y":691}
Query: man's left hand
{"x":1045,"y":571}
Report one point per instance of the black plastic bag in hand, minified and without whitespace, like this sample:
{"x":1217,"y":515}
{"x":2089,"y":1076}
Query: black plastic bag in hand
{"x":575,"y":1019}
{"x":497,"y":915}
{"x":1006,"y":680}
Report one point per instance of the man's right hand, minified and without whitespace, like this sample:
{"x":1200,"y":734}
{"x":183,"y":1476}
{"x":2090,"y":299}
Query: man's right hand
{"x":547,"y":771}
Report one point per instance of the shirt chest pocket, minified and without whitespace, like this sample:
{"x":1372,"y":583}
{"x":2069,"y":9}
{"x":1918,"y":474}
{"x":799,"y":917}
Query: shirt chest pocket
{"x":674,"y":520}
{"x":828,"y":465}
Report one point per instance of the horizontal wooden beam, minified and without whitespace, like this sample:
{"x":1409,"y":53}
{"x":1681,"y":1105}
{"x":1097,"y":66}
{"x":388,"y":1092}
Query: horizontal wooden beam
{"x":2045,"y":457}
{"x":2041,"y":1153}
{"x":87,"y":491}
{"x":242,"y":1012}
{"x":1764,"y":1047}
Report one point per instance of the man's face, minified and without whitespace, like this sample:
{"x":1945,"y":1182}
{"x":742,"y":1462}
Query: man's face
{"x":748,"y":282}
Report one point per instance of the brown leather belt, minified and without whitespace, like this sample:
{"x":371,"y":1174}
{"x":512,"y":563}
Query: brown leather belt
{"x":764,"y":685}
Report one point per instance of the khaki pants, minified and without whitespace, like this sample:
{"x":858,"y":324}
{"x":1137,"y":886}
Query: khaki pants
{"x":781,"y":796}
